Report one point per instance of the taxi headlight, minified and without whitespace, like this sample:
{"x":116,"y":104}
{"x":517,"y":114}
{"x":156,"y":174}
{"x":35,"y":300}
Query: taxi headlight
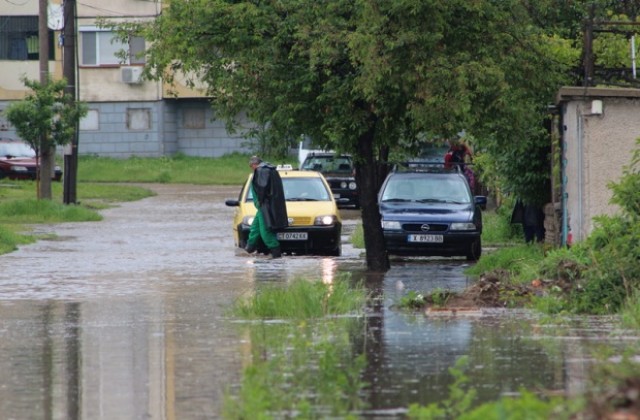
{"x":248,"y":220}
{"x":391,"y":225}
{"x":16,"y":168}
{"x":324,"y":220}
{"x":463,"y":226}
{"x":352,"y":185}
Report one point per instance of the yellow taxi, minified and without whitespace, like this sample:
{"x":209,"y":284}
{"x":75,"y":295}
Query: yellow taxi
{"x":315,"y":225}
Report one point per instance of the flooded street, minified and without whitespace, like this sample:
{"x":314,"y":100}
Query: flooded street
{"x":126,"y":319}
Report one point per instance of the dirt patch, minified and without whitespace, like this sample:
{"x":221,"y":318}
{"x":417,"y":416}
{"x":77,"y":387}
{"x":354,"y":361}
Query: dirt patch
{"x":493,"y":290}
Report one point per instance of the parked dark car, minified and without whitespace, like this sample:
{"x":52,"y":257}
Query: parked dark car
{"x":18,"y":161}
{"x":430,"y":211}
{"x":339,"y":172}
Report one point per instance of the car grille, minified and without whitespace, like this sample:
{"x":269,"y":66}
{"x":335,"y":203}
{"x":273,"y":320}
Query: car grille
{"x":301,"y":221}
{"x":417,"y":227}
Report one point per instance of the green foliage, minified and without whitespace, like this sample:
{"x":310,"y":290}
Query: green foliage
{"x":357,"y":237}
{"x":459,"y":404}
{"x":630,"y":311}
{"x":527,"y":406}
{"x":307,"y":368}
{"x":9,"y":239}
{"x":440,"y":297}
{"x":369,"y":78}
{"x":459,"y":401}
{"x":603,"y":270}
{"x":412,"y":300}
{"x":304,"y":371}
{"x":303,"y":299}
{"x":47,"y":113}
{"x":497,"y":228}
{"x":520,"y":262}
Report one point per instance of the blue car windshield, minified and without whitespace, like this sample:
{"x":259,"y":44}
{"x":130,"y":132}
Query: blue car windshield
{"x":426,"y":190}
{"x":302,"y":189}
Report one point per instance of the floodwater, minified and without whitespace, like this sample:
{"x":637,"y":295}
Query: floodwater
{"x":126,"y":319}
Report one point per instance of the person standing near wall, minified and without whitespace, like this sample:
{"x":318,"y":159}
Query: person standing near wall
{"x":271,"y":215}
{"x":532,"y":219}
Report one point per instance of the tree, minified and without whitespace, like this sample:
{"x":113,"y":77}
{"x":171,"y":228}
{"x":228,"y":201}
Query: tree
{"x":366,"y":77}
{"x":46,"y":118}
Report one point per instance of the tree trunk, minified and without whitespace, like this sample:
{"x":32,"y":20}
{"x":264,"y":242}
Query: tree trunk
{"x":368,"y":179}
{"x":47,"y":163}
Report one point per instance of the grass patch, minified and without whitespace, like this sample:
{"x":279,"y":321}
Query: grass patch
{"x":9,"y":239}
{"x":302,"y":299}
{"x":19,"y":206}
{"x":498,"y":230}
{"x":357,"y":237}
{"x":306,"y":368}
{"x":231,"y":169}
{"x":305,"y":371}
{"x":521,"y":262}
{"x":43,"y":211}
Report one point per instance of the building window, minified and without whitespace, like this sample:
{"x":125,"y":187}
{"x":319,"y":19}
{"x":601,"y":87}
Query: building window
{"x":193,"y":118}
{"x":138,"y":119}
{"x":102,"y":48}
{"x":91,"y":121}
{"x":19,"y":38}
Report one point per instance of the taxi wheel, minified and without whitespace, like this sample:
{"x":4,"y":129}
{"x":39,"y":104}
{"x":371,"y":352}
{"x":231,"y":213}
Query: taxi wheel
{"x":336,"y":252}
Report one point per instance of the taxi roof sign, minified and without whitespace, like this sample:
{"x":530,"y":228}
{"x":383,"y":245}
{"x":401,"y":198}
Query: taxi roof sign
{"x":284,"y":167}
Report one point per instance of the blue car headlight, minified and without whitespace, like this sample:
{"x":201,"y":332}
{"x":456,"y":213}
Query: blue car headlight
{"x":391,"y":225}
{"x":462,"y":226}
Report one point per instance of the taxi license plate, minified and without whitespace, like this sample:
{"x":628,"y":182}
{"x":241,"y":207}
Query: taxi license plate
{"x":292,"y":236}
{"x":437,"y":239}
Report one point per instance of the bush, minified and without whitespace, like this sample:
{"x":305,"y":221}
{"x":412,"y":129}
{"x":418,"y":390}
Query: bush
{"x":604,"y":268}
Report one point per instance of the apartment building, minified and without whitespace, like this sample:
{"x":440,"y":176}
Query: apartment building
{"x":127,"y":116}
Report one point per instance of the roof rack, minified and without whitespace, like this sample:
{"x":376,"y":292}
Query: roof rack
{"x":427,"y":166}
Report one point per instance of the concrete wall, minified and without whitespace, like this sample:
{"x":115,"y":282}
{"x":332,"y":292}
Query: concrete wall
{"x":184,"y":126}
{"x":596,"y":146}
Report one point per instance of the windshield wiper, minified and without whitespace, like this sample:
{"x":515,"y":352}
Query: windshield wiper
{"x":431,"y":200}
{"x":396,"y":200}
{"x":301,"y":199}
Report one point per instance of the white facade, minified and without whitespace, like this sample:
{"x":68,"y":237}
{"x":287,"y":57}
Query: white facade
{"x":600,"y":127}
{"x":127,"y":116}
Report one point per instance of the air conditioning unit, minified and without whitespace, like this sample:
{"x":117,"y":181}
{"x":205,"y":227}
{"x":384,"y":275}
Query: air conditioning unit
{"x":131,"y":75}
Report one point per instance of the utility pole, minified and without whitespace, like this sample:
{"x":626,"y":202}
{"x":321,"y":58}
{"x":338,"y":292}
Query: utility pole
{"x":69,"y":73}
{"x":46,"y":152}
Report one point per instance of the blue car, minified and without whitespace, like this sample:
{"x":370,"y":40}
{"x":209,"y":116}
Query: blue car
{"x":430,"y":211}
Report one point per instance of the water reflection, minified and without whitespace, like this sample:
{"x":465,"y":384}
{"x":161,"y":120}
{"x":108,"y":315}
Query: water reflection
{"x":113,"y":323}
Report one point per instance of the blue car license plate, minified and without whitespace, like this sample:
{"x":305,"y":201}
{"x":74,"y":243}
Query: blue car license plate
{"x":434,"y":239}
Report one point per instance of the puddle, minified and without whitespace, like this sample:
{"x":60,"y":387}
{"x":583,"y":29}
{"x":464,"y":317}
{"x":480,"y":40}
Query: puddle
{"x":126,"y":318}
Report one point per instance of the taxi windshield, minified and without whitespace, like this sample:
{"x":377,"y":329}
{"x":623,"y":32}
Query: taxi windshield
{"x":301,"y":189}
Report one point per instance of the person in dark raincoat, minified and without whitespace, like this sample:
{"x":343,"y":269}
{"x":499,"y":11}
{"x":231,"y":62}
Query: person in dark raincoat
{"x":271,"y":216}
{"x":532,"y":219}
